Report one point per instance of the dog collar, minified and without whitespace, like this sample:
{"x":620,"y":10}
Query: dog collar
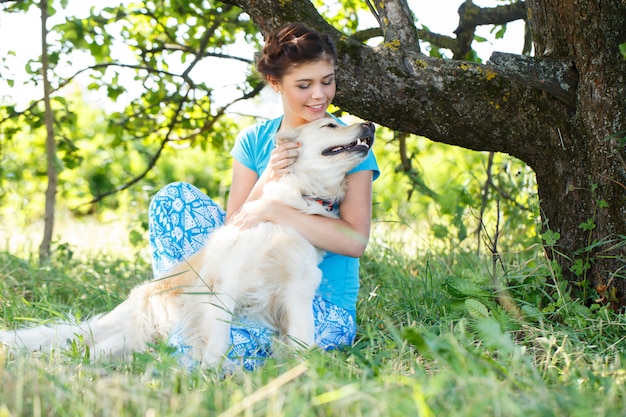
{"x":327,"y":204}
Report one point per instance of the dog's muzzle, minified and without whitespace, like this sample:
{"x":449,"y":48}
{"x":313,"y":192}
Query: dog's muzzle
{"x":361,"y":145}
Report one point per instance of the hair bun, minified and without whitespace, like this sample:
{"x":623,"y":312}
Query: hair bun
{"x":293,"y":44}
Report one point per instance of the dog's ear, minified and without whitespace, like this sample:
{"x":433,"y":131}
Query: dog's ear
{"x":286,"y":136}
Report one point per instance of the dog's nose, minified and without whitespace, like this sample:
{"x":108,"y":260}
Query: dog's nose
{"x":369,"y":126}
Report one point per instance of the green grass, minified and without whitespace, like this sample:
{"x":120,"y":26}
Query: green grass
{"x":434,"y":339}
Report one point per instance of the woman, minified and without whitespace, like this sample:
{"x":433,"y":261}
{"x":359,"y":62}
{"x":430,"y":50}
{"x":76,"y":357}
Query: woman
{"x":299,"y":64}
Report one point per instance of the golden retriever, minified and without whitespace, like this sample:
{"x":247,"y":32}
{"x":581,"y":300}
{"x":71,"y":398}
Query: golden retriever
{"x":268,"y":271}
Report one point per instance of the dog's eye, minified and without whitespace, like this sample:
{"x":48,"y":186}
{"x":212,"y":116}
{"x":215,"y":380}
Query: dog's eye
{"x":331,"y":125}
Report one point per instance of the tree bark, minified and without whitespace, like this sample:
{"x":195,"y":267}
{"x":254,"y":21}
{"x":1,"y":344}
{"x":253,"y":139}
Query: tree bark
{"x":561,"y":112}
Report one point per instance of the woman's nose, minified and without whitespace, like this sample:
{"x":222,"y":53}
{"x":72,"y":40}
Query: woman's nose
{"x":318,"y":92}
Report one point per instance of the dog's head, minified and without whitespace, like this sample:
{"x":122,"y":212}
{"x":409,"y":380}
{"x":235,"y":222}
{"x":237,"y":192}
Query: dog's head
{"x":328,"y":152}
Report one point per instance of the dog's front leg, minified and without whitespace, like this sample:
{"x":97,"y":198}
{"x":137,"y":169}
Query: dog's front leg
{"x":298,"y":321}
{"x":208,"y":322}
{"x":300,"y":324}
{"x":217,"y":331}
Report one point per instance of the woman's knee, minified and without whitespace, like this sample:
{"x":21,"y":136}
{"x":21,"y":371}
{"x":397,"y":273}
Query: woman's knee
{"x":166,"y":195}
{"x":170,"y":190}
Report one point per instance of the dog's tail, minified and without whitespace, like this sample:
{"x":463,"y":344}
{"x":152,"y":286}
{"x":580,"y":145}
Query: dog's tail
{"x":47,"y":337}
{"x":125,"y":329}
{"x":145,"y":316}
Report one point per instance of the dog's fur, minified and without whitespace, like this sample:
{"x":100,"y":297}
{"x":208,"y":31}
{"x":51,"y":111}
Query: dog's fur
{"x":268,"y":271}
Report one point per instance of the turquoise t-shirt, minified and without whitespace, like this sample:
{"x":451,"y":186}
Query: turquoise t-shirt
{"x":340,"y":273}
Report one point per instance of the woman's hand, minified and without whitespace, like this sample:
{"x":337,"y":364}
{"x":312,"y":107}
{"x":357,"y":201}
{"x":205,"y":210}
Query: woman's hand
{"x":254,"y":212}
{"x":282,"y":157}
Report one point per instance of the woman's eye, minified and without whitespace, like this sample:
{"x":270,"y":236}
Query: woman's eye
{"x":304,"y":86}
{"x":328,"y":82}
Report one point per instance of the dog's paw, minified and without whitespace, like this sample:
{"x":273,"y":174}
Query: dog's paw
{"x":211,"y":358}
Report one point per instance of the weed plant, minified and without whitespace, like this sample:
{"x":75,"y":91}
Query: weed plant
{"x":438,"y":336}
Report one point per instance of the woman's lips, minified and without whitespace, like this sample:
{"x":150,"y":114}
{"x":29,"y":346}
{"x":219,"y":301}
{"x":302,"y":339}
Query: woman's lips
{"x":317,"y":107}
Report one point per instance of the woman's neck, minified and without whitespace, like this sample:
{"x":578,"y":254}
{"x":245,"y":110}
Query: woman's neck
{"x":288,"y":123}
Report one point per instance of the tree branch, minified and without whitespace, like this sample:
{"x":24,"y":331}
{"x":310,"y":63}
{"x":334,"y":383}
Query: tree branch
{"x":471,"y":16}
{"x":397,"y":24}
{"x":484,"y":199}
{"x":551,"y":75}
{"x":203,"y":45}
{"x":406,"y":167}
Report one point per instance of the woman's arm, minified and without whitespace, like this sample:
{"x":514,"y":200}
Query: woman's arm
{"x":243,"y":182}
{"x":347,"y":235}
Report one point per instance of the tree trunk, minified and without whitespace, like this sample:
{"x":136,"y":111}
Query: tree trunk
{"x":561,"y":112}
{"x":44,"y":247}
{"x":589,"y":188}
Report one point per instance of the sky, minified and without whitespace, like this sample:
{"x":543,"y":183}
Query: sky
{"x":20,"y":33}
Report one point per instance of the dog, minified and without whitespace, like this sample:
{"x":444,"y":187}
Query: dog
{"x":269,"y":271}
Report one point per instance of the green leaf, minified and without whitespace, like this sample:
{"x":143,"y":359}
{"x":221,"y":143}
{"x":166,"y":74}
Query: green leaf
{"x":463,"y":288}
{"x":587,"y":226}
{"x":493,"y":337}
{"x":579,"y":267}
{"x":550,"y":237}
{"x":480,"y":39}
{"x":532,"y":312}
{"x":500,"y":32}
{"x":416,"y":338}
{"x":476,"y":309}
{"x":439,"y":231}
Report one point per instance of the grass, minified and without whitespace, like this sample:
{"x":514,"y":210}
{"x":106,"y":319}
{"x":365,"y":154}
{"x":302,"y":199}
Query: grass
{"x":434,"y":339}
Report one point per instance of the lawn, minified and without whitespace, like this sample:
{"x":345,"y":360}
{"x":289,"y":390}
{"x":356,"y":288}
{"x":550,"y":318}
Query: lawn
{"x":440,"y":334}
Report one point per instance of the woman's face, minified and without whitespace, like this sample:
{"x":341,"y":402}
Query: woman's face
{"x":307,"y":91}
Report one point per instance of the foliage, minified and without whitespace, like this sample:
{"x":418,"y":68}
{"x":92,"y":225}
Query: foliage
{"x":434,"y":339}
{"x":162,"y":52}
{"x":91,"y":164}
{"x":443,"y":194}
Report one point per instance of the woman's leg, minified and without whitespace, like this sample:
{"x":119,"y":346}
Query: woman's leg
{"x":251,"y":343}
{"x":335,"y":327}
{"x":180,"y":218}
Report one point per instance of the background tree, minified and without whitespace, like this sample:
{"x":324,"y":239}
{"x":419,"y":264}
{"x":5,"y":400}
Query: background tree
{"x":561,"y":111}
{"x":51,"y":190}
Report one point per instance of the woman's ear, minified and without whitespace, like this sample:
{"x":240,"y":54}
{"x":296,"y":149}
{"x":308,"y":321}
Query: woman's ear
{"x":274,"y":83}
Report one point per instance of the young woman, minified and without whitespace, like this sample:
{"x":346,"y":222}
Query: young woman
{"x":299,"y":64}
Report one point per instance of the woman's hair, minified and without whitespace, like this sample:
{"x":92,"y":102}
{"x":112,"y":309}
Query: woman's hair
{"x":293,"y":44}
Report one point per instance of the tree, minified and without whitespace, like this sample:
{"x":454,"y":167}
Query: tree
{"x":561,"y":111}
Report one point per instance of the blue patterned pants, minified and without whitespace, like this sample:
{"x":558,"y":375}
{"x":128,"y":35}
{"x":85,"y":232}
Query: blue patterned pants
{"x":181,"y":218}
